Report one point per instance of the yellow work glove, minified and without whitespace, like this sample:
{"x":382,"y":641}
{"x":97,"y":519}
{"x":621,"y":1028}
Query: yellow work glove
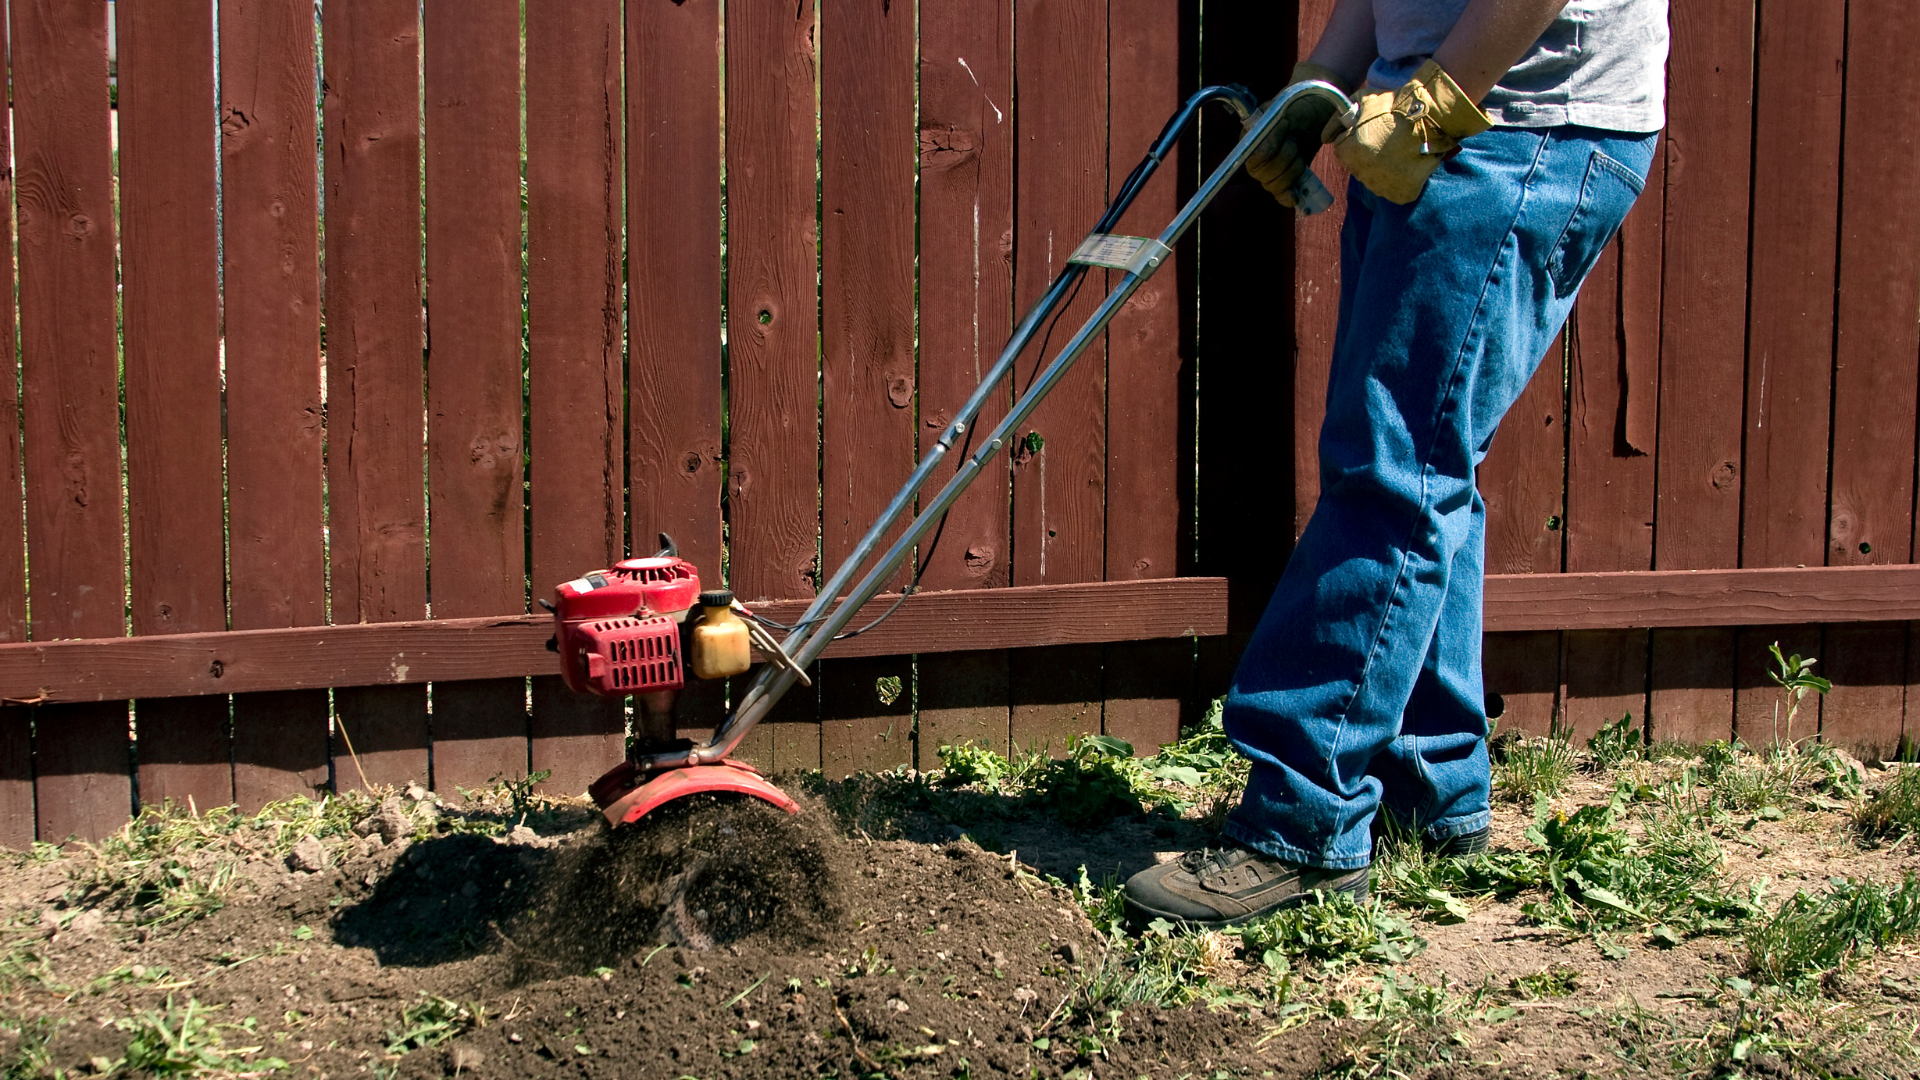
{"x":1398,"y":137}
{"x":1282,"y":157}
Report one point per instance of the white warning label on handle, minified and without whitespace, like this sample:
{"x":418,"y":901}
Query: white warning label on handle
{"x":1109,"y":250}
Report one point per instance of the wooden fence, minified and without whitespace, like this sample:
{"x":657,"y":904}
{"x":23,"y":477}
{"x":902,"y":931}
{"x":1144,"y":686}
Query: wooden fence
{"x":615,"y":268}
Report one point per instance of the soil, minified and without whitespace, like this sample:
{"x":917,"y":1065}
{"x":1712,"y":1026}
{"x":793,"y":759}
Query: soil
{"x":726,"y":939}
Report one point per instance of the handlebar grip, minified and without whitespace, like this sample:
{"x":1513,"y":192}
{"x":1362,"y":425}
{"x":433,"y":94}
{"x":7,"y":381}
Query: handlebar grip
{"x":1310,"y":196}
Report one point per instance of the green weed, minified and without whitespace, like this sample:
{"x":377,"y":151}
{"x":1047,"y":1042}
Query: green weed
{"x":1811,"y":933}
{"x":1099,"y":779}
{"x":186,"y":1042}
{"x":1528,"y":768}
{"x":431,"y":1021}
{"x":1553,"y":981}
{"x":1333,"y":930}
{"x":1615,"y":743}
{"x":28,"y":1057}
{"x":1811,"y":774}
{"x":1894,"y":810}
{"x":970,"y":764}
{"x":1794,"y":676}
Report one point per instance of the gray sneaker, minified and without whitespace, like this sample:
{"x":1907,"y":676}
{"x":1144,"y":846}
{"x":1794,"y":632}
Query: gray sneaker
{"x":1216,"y":888}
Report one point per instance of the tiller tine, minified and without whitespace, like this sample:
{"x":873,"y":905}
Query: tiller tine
{"x":623,"y":803}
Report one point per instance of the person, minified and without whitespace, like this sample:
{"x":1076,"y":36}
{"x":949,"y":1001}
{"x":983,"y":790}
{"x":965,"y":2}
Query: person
{"x":1495,"y":148}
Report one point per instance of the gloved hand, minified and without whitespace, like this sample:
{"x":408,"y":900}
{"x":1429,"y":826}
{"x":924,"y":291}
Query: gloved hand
{"x":1398,"y":137}
{"x":1283,"y":156}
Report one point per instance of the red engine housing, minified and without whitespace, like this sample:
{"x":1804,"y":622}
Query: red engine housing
{"x":618,"y":630}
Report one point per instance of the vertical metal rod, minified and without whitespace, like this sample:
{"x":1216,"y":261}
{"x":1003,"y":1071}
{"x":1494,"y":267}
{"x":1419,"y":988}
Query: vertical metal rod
{"x":817,"y":628}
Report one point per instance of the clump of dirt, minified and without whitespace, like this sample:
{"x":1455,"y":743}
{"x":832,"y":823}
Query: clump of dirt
{"x":699,"y":872}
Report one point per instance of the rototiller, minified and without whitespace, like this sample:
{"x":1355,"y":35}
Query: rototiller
{"x":631,"y":629}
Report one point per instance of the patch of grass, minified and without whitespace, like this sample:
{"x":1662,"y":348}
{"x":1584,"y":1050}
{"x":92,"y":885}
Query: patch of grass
{"x":1401,"y":1026}
{"x":1811,"y":933}
{"x":1599,"y":877}
{"x":1808,"y":774}
{"x":174,"y":1041}
{"x":431,"y":1021}
{"x":1894,"y":810}
{"x":1594,"y":874}
{"x":27,"y":1058}
{"x":1767,"y":1031}
{"x":1553,"y":981}
{"x":1528,"y":768}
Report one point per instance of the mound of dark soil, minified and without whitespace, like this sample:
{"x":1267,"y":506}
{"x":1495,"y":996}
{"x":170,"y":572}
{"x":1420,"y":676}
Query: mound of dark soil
{"x":698,"y":873}
{"x":718,"y":940}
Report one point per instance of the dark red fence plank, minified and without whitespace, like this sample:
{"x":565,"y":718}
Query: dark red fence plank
{"x":966,"y":282}
{"x":1059,"y":458}
{"x":574,"y":130}
{"x":1615,"y":364}
{"x":772,"y":329}
{"x":1702,"y":318}
{"x":375,"y":496}
{"x":1520,"y":481}
{"x":68,"y":359}
{"x":171,"y":305}
{"x":472,"y":59}
{"x":673,"y":219}
{"x":1800,"y":59}
{"x":1875,"y":378}
{"x":270,"y":207}
{"x":867,"y":147}
{"x":1149,"y":345}
{"x":16,"y":738}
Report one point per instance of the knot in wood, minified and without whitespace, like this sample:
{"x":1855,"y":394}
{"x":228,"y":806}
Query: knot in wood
{"x":979,"y":559}
{"x":943,"y":146}
{"x":900,"y":391}
{"x":1725,"y":476}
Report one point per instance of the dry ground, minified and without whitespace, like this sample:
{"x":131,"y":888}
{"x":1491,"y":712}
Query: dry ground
{"x":901,"y":927}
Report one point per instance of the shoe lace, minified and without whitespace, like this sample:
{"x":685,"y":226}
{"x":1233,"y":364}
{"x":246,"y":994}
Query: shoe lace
{"x":1197,"y":862}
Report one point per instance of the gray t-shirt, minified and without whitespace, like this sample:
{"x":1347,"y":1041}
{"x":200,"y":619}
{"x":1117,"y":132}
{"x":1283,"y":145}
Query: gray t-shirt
{"x":1602,"y":64}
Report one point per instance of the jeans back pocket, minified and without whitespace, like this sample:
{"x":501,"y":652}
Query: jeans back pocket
{"x":1606,"y":194}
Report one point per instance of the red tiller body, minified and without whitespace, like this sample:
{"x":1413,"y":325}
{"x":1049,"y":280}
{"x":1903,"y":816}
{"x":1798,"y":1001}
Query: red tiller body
{"x":618,"y":630}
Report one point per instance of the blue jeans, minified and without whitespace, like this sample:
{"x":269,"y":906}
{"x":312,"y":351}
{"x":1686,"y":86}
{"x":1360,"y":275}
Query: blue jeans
{"x":1361,"y":685}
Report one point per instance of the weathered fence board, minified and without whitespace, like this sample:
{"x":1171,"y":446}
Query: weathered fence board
{"x":170,"y":303}
{"x":68,"y":356}
{"x":1703,"y":305}
{"x":966,"y":141}
{"x":270,"y":211}
{"x":1874,"y":391}
{"x":574,"y":283}
{"x":375,"y":487}
{"x":16,"y":724}
{"x":1059,"y":454}
{"x":867,"y":444}
{"x":471,"y":58}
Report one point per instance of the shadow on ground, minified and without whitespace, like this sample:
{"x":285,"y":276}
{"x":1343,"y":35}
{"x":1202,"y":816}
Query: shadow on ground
{"x":700,"y":872}
{"x":908,"y":808}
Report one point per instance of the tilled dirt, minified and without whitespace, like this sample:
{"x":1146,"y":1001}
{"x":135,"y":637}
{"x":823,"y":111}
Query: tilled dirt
{"x":723,"y":940}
